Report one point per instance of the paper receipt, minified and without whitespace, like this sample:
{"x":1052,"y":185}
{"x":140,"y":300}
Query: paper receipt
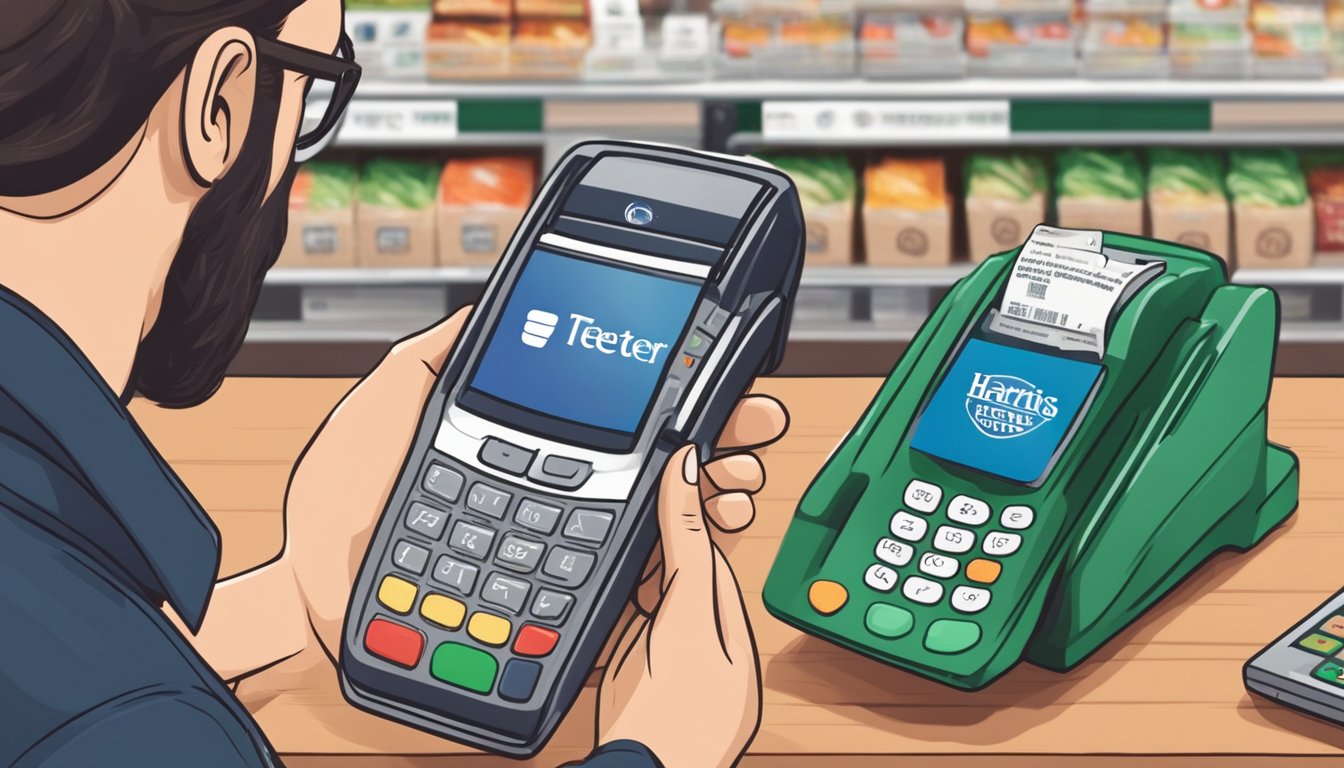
{"x":1063,"y":290}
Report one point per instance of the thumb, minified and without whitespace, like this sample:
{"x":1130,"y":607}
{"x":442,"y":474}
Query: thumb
{"x":688,"y":556}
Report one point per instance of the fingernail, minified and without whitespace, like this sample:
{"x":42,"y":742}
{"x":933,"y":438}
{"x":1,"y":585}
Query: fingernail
{"x":690,"y":469}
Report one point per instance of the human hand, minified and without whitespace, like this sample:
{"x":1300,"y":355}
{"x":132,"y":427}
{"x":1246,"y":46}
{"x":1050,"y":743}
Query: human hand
{"x":684,"y":679}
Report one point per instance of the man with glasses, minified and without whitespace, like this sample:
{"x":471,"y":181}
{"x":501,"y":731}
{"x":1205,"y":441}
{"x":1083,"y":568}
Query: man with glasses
{"x":147,"y":148}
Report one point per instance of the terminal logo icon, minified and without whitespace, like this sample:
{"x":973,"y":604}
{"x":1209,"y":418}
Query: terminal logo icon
{"x":539,"y":327}
{"x":1003,"y":406}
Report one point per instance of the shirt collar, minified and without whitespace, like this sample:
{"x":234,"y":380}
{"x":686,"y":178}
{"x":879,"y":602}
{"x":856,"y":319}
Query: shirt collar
{"x":165,"y":530}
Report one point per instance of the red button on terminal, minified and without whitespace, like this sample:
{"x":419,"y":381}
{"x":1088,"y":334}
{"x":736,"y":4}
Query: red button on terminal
{"x":535,"y":641}
{"x":394,"y":642}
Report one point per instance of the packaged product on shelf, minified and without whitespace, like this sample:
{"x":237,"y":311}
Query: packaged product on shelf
{"x":548,"y":48}
{"x":907,"y":218}
{"x":1334,"y":23}
{"x":828,"y":189}
{"x":468,"y":49}
{"x":575,"y":9}
{"x":1210,"y":38}
{"x":788,"y":41}
{"x":1325,"y":182}
{"x":1272,"y":212}
{"x":1125,"y":46}
{"x":927,"y":43}
{"x":1187,"y":200}
{"x":1290,"y":38}
{"x":480,"y":9}
{"x":1034,"y":44}
{"x":395,"y":213}
{"x":1099,"y":189}
{"x":390,"y":36}
{"x":481,"y":202}
{"x":1005,"y":200}
{"x":321,"y":217}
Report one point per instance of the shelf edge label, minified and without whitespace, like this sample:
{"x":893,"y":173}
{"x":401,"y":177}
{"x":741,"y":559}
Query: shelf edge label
{"x":376,"y":120}
{"x":863,"y":120}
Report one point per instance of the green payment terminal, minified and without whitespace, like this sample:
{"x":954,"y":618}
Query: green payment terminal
{"x":1078,"y":425}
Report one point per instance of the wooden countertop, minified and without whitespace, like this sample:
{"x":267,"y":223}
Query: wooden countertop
{"x":1168,"y":688}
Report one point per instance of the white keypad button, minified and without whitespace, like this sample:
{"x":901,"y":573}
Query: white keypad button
{"x":967,"y":511}
{"x":894,"y":552}
{"x":880,"y":577}
{"x":1000,"y":543}
{"x":1017,"y":517}
{"x":906,"y":526}
{"x":954,"y":540}
{"x":942,"y":566}
{"x":922,"y":590}
{"x":922,"y":497}
{"x":970,"y":599}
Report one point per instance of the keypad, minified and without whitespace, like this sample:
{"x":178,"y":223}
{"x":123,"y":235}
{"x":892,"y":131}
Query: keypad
{"x":506,"y":592}
{"x":477,"y":561}
{"x":932,"y":545}
{"x":410,"y":556}
{"x":426,"y":520}
{"x":456,"y":574}
{"x":472,"y":540}
{"x":519,"y":554}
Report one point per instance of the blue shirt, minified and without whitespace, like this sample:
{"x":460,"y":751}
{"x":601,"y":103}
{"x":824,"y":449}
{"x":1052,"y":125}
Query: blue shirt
{"x":96,"y":532}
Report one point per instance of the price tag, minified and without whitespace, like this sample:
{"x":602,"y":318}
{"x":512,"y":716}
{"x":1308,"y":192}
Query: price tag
{"x":685,"y":36}
{"x":617,"y":26}
{"x":374,"y":121}
{"x":885,"y":120}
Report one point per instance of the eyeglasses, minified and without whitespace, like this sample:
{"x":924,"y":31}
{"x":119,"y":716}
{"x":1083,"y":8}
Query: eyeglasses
{"x":332,"y":82}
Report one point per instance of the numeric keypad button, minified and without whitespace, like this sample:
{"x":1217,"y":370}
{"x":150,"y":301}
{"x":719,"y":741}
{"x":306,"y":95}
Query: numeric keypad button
{"x":506,"y":592}
{"x":488,"y":500}
{"x":1017,"y":517}
{"x":894,"y":552}
{"x":921,"y":590}
{"x":970,"y":599}
{"x":942,"y":566}
{"x":880,"y":578}
{"x":568,"y":566}
{"x":552,"y":606}
{"x":426,"y":520}
{"x":588,"y":525}
{"x":954,"y":540}
{"x":455,"y":574}
{"x":471,"y":540}
{"x":923,"y":497}
{"x":519,"y":554}
{"x":908,"y":527}
{"x":967,"y":511}
{"x":1000,"y":543}
{"x":410,"y":557}
{"x":444,"y":482}
{"x":537,"y":516}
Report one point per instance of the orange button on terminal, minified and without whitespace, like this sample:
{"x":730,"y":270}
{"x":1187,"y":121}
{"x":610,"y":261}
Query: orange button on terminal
{"x":826,"y":597}
{"x":983,"y":571}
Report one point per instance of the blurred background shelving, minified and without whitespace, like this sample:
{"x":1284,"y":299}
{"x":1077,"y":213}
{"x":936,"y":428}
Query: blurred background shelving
{"x":920,"y":131}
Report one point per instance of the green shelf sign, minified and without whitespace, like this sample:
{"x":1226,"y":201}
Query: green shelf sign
{"x":1044,"y":115}
{"x":499,"y":116}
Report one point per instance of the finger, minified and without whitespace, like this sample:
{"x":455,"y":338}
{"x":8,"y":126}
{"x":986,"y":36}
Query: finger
{"x":734,"y":626}
{"x":731,"y":512}
{"x":688,"y":561}
{"x":738,"y":472}
{"x":650,"y":590}
{"x":432,"y":345}
{"x":757,"y":420}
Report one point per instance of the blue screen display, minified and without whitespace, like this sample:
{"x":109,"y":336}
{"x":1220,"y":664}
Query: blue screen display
{"x":1004,"y":410}
{"x":585,"y":341}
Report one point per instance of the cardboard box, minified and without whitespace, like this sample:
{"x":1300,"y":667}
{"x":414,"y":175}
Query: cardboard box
{"x":1112,"y":215}
{"x":830,"y":234}
{"x":319,"y":239}
{"x":995,"y":226}
{"x":1273,"y":237}
{"x":1203,"y":225}
{"x":473,"y":236}
{"x":897,"y":237}
{"x":394,"y":237}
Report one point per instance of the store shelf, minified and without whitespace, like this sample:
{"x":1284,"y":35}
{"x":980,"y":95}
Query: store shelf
{"x":1064,"y":89}
{"x":375,"y":276}
{"x":384,"y":332}
{"x":744,"y":142}
{"x":1309,"y":276}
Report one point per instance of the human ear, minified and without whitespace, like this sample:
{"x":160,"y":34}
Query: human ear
{"x":217,"y":97}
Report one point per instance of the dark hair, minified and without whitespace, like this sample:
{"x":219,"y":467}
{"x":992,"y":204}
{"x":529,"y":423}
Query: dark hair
{"x":79,"y":77}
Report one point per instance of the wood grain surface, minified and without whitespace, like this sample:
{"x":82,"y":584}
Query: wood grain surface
{"x":1168,"y":688}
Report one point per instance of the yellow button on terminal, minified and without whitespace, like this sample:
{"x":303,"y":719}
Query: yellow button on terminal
{"x":397,"y":594}
{"x":489,"y":629}
{"x":443,"y":610}
{"x":826,"y":597}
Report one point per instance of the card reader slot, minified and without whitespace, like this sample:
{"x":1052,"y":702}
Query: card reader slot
{"x":631,"y":239}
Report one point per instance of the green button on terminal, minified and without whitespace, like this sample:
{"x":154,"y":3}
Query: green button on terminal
{"x":464,"y":666}
{"x":949,"y":636}
{"x":889,"y":621}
